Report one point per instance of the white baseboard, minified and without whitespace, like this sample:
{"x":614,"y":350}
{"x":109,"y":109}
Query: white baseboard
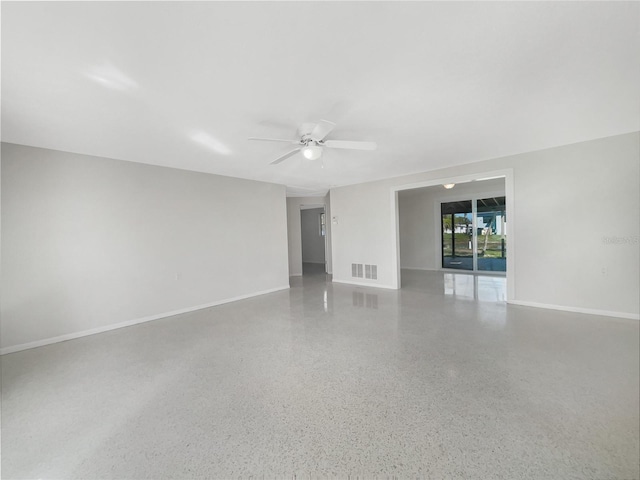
{"x":588,"y":311}
{"x":364,"y":284}
{"x":129,"y":323}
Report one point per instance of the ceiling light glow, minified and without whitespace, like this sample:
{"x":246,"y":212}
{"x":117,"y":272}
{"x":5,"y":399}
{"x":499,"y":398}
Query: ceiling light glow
{"x":449,"y":186}
{"x":312,"y":152}
{"x":210,"y":142}
{"x":110,"y":77}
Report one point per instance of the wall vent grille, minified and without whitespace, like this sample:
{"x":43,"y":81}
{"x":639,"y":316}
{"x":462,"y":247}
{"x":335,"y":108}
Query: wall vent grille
{"x":371,"y":271}
{"x":356,"y":270}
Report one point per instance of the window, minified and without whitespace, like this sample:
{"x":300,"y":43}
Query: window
{"x":473,"y":234}
{"x":323,"y":225}
{"x":491,"y":238}
{"x":457,"y":229}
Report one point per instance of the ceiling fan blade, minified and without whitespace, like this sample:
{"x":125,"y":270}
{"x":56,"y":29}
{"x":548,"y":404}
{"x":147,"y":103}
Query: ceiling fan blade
{"x":321,"y":130}
{"x":285,"y":156}
{"x":351,"y":145}
{"x":273,"y":140}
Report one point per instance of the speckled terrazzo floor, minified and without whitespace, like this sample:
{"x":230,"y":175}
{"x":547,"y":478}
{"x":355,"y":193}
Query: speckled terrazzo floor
{"x":438,"y":380}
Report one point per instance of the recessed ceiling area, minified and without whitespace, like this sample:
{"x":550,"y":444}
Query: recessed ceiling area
{"x":434,"y":84}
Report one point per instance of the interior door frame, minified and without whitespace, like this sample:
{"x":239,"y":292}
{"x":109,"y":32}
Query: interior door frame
{"x":311,"y":206}
{"x":511,"y":224}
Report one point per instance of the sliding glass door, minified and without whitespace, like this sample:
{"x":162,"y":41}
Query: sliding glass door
{"x":491,"y":238}
{"x":457,"y":229}
{"x":474,"y":234}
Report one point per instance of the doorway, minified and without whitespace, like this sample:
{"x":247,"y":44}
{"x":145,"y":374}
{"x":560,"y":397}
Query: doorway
{"x":313,"y":234}
{"x":478,"y":220}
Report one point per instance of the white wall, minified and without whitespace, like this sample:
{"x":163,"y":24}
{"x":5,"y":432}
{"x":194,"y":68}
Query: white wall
{"x":90,"y":242}
{"x":569,"y":202}
{"x":328,"y":253}
{"x":312,"y":242}
{"x":419,"y":226}
{"x":294,"y":204}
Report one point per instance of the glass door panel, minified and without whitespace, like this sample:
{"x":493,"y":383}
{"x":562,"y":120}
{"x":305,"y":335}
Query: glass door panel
{"x":491,"y":234}
{"x":457,"y":231}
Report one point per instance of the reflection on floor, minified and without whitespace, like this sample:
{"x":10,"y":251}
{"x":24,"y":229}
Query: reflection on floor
{"x":441,"y":379}
{"x":479,"y":287}
{"x":489,"y":288}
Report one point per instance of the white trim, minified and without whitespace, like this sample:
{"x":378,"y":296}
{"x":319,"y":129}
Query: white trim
{"x":313,"y":206}
{"x":510,"y":194}
{"x":421,"y":269}
{"x":363,"y":284}
{"x":396,"y":274}
{"x":588,"y":311}
{"x":129,"y":323}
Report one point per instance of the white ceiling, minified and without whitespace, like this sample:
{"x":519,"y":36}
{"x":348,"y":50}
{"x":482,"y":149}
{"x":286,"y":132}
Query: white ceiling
{"x":183,"y":84}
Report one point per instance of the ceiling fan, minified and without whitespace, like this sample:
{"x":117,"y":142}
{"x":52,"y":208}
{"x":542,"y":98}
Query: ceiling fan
{"x":312,"y":141}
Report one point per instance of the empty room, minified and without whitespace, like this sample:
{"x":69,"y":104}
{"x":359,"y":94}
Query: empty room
{"x":320,"y":240}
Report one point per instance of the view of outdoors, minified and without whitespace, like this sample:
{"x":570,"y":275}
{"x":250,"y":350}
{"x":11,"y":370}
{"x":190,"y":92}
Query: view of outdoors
{"x":491,"y":238}
{"x":458,"y":237}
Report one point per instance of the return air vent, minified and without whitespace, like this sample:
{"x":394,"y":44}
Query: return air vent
{"x":371,"y":271}
{"x":356,"y":270}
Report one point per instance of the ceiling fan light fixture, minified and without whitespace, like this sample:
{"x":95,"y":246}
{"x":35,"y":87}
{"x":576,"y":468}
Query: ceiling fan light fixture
{"x":312,"y":141}
{"x":312,"y":152}
{"x":449,"y":186}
